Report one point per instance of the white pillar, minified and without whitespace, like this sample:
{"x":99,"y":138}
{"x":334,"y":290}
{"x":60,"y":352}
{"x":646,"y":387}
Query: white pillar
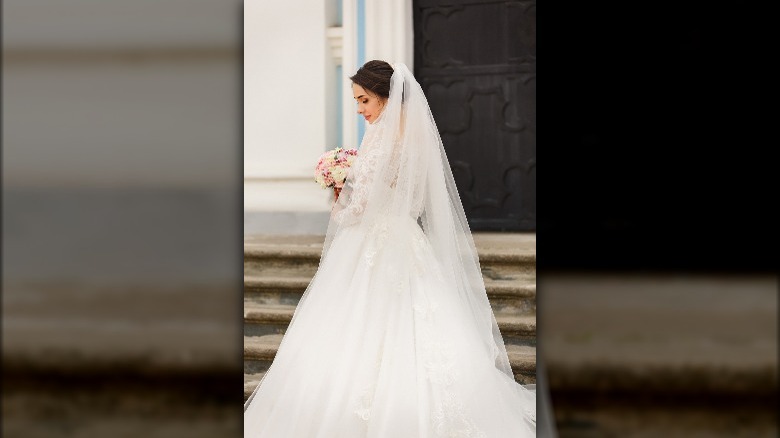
{"x":286,"y":56}
{"x":389,"y":31}
{"x":349,"y":67}
{"x":284,"y":88}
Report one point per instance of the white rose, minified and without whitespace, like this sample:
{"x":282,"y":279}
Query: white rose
{"x":339,"y":173}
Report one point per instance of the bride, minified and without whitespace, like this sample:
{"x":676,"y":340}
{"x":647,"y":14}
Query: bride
{"x":394,"y":337}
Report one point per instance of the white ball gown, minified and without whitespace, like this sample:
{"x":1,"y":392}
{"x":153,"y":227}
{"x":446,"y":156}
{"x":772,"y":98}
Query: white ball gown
{"x":392,"y":338}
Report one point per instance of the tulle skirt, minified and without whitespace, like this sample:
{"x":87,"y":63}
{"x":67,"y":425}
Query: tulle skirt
{"x":378,"y":348}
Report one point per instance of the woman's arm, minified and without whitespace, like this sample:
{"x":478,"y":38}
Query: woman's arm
{"x":357,"y":185}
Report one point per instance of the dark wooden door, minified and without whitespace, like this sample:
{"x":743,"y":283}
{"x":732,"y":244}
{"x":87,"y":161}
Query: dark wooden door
{"x":476,"y":62}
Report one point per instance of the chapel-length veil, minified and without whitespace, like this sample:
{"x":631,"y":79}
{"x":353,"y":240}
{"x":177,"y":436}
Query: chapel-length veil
{"x":411,"y":177}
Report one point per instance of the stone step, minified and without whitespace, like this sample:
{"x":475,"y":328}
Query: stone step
{"x":250,"y":383}
{"x":268,"y":319}
{"x":259,"y":353}
{"x":708,"y":336}
{"x":506,"y":296}
{"x":501,"y":255}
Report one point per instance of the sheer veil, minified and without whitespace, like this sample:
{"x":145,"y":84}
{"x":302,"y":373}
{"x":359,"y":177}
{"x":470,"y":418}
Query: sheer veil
{"x":402,"y":173}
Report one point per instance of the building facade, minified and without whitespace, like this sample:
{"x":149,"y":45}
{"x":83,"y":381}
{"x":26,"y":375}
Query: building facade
{"x":298,"y":101}
{"x":475,"y":61}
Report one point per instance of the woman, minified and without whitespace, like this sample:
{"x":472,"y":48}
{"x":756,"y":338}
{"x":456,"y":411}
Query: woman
{"x":394,"y":336}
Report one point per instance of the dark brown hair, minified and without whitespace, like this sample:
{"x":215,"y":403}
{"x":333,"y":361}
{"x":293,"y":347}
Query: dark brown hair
{"x":374,"y":76}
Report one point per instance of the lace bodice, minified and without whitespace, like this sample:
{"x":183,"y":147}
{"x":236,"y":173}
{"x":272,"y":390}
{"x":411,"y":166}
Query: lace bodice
{"x":360,"y":177}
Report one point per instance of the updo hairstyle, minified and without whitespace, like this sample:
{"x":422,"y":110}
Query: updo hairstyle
{"x":374,"y":76}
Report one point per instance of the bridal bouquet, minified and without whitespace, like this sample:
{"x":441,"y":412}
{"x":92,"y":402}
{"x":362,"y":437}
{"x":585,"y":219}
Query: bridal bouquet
{"x":332,"y":167}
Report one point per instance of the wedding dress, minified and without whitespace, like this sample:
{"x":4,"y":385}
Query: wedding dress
{"x":394,"y":336}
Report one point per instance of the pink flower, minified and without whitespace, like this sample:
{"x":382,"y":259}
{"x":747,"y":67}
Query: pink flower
{"x":333,"y":166}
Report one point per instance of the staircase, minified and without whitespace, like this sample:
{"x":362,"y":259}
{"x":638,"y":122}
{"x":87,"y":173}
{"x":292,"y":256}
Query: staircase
{"x":277,"y":270}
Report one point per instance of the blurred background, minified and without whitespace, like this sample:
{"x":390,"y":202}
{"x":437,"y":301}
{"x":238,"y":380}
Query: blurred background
{"x":641,"y":285}
{"x":121,"y":218}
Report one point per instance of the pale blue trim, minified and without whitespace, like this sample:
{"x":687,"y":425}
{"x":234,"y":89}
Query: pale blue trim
{"x":339,"y":104}
{"x":339,"y":85}
{"x":361,"y":56}
{"x":361,"y":32}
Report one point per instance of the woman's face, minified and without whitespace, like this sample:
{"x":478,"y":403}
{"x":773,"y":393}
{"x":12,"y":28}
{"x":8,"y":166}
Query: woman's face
{"x":369,"y":105}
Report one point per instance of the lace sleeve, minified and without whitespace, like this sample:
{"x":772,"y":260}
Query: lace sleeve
{"x":358,"y":183}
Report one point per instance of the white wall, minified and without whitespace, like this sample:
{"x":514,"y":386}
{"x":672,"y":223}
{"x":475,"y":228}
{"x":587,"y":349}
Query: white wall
{"x":121,"y":119}
{"x":65,"y":62}
{"x":284,"y":104}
